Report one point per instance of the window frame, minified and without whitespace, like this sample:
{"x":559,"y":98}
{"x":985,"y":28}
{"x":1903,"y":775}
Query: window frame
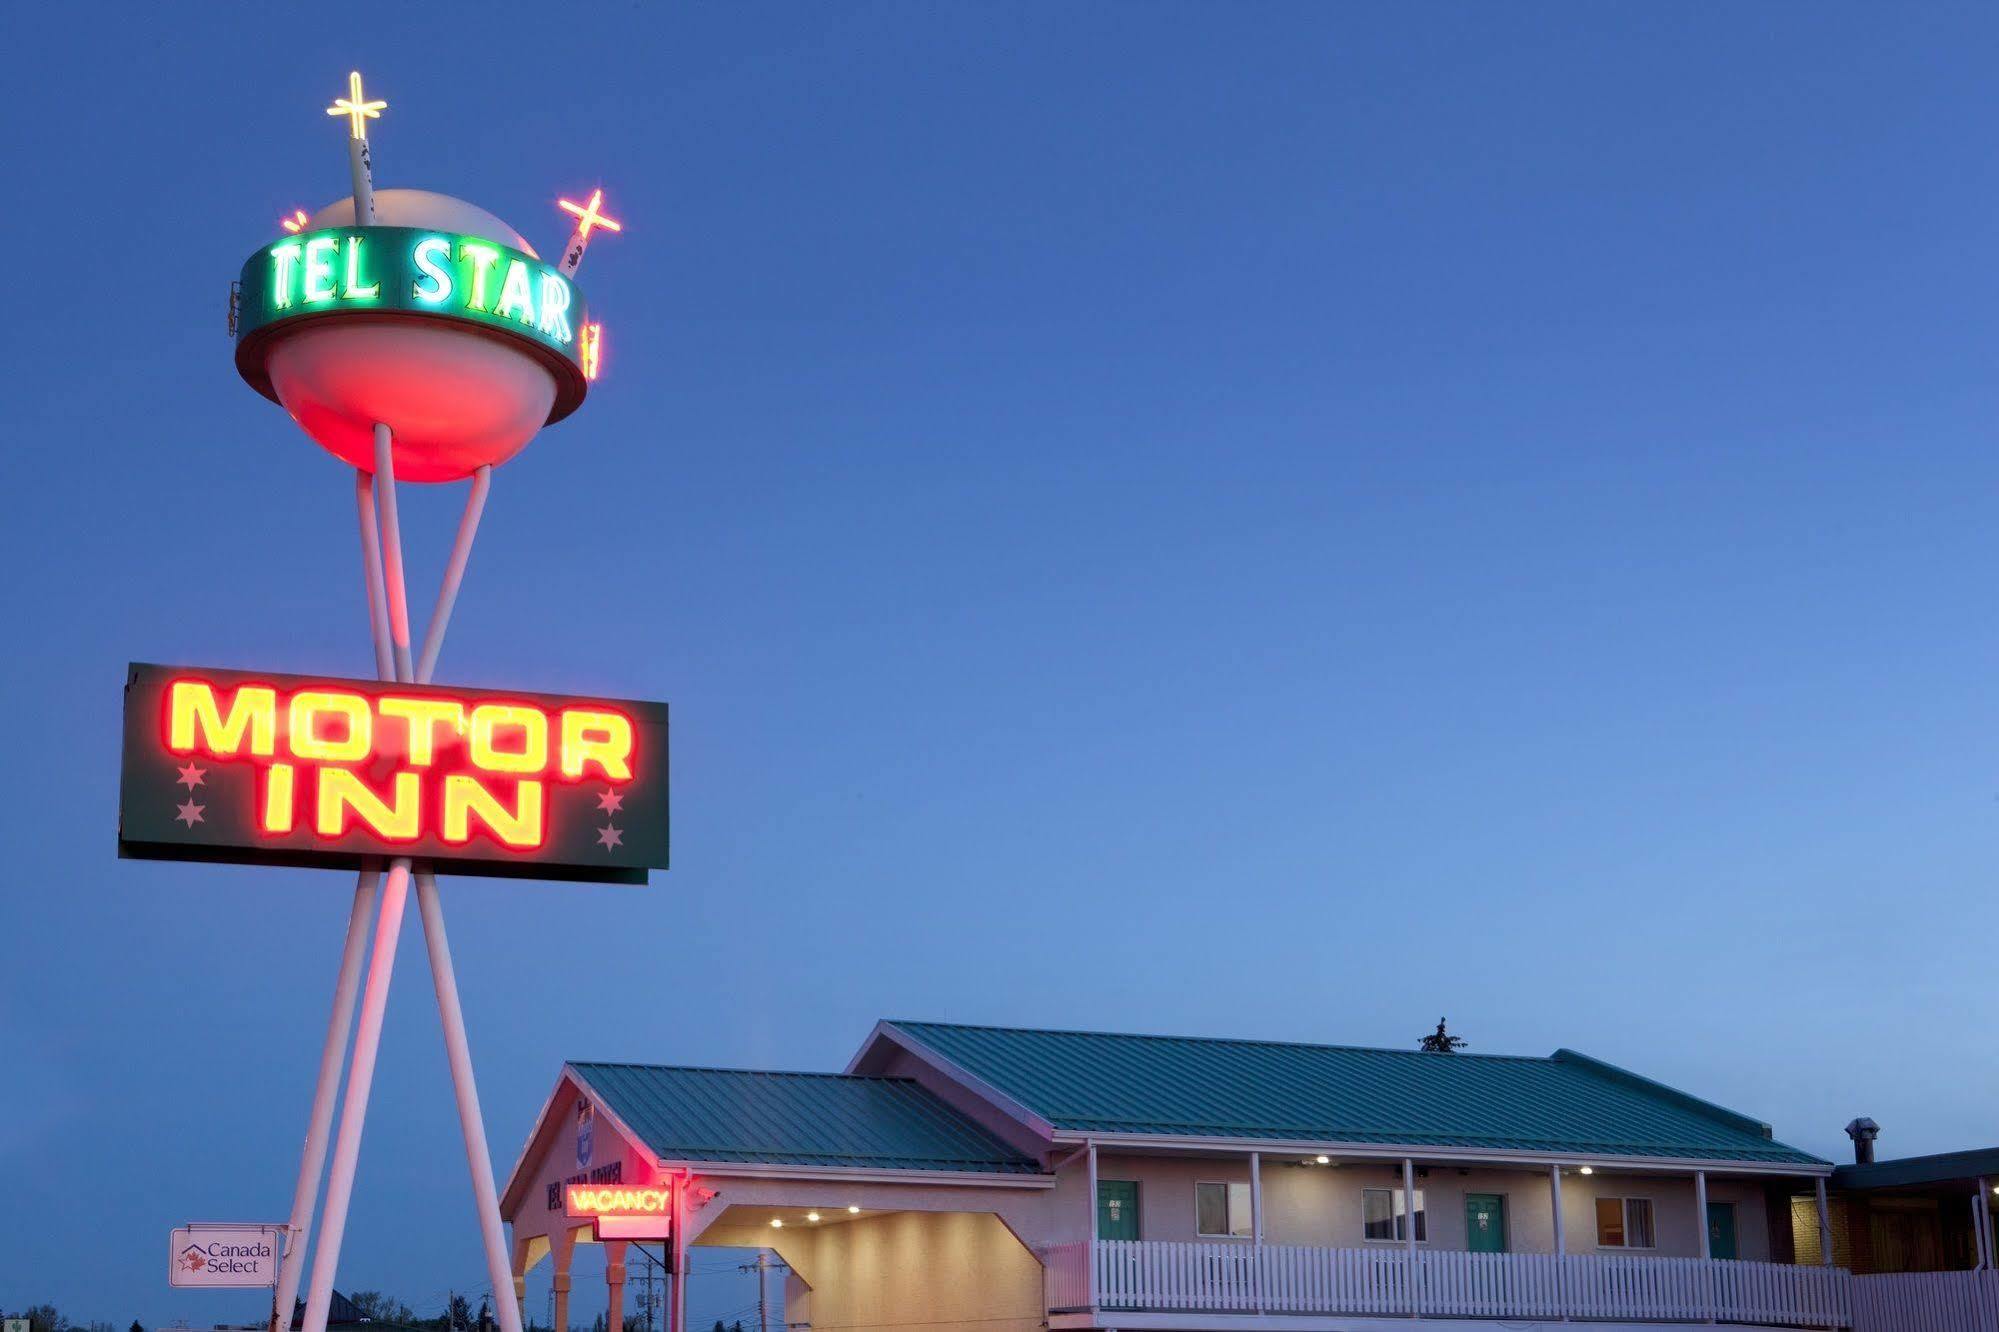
{"x":1227,"y":1186}
{"x":1624,"y":1201}
{"x":1394,"y":1191}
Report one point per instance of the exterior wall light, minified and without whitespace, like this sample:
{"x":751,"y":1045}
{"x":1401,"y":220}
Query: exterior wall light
{"x":1587,"y":1170}
{"x":855,"y":1211}
{"x":1324,"y":1160}
{"x":812,"y":1216}
{"x":777,"y":1223}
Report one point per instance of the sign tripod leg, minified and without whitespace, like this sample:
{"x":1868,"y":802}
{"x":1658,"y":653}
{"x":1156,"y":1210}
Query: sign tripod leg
{"x":312,"y":1162}
{"x":387,"y":592}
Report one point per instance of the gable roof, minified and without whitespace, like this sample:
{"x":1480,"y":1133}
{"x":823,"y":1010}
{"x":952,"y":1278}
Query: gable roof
{"x":812,"y":1119}
{"x":1173,"y":1086}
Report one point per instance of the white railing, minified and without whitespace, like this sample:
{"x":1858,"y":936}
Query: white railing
{"x":1927,"y":1302}
{"x":1238,"y":1278}
{"x":1065,"y":1270}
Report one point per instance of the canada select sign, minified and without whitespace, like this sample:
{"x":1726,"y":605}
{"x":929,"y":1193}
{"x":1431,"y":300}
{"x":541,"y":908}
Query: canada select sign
{"x":302,"y":770}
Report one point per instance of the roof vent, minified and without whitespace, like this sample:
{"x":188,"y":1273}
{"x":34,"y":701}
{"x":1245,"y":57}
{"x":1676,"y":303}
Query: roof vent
{"x":1863,"y":1131}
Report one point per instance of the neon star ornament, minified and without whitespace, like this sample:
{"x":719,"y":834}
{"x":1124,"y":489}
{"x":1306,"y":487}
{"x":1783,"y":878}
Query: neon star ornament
{"x":588,"y":217}
{"x":296,"y":222}
{"x":356,"y":107}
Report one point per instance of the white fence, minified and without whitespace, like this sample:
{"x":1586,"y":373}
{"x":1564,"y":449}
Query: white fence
{"x":1927,"y":1302}
{"x":1238,"y":1278}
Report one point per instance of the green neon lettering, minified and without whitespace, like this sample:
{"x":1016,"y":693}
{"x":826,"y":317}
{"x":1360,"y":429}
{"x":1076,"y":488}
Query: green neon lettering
{"x":281,"y":274}
{"x":483,"y":258}
{"x":353,"y":290}
{"x":434,"y":286}
{"x":554,"y":307}
{"x":319,"y":269}
{"x":515,"y":294}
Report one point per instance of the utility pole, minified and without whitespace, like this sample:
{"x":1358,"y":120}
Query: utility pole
{"x":763,"y":1267}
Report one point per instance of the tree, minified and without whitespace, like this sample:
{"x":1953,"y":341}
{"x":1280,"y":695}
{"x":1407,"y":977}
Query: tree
{"x":379,"y":1308}
{"x":458,"y":1313}
{"x":1441,"y":1041}
{"x":44,"y":1318}
{"x":718,"y":1326}
{"x":135,"y":1327}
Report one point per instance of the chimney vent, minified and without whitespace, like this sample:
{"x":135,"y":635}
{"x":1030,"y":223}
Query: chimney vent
{"x":1863,"y":1131}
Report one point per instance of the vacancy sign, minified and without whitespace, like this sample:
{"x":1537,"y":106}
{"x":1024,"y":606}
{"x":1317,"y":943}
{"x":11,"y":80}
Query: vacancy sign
{"x":200,"y":1255}
{"x":260,"y":768}
{"x":622,"y":1211}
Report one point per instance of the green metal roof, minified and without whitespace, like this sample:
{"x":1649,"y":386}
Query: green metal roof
{"x":1096,"y":1082}
{"x":815,"y":1119}
{"x":1908,"y":1171}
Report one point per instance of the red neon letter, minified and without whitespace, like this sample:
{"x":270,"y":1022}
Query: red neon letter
{"x":424,"y":715}
{"x":309,"y":705}
{"x":277,"y":808}
{"x":341,"y":790}
{"x":532,"y":723}
{"x":519,"y":828}
{"x":602,"y":738}
{"x":196,"y":722}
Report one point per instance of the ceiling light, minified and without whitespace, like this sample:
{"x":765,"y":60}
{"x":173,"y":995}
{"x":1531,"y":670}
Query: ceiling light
{"x":1587,"y":1170}
{"x":853,"y":1211}
{"x":777,"y":1223}
{"x":812,"y":1216}
{"x":1324,"y":1160}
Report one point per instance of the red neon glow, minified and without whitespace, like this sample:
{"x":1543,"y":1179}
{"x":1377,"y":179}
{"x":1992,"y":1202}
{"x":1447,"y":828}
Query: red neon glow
{"x":296,"y":222}
{"x":602,"y":1200}
{"x":593,"y":350}
{"x":395,"y":767}
{"x":587,"y":215}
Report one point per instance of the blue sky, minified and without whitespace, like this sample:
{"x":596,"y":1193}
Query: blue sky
{"x":1266,"y":520}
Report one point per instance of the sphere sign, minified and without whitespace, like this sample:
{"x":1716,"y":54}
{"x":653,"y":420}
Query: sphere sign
{"x":240,"y":766}
{"x":405,"y":272}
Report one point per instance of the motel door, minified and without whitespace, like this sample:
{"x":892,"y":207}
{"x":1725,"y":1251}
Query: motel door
{"x":1721,"y":1230}
{"x":1117,"y":1209}
{"x":1485,"y":1223}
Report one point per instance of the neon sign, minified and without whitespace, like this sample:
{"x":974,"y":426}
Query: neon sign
{"x":406,"y":272}
{"x":622,"y":1211}
{"x":235,"y":766}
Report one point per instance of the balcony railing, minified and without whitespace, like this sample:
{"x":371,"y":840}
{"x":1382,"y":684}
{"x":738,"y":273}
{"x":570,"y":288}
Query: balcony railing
{"x":1288,"y":1279}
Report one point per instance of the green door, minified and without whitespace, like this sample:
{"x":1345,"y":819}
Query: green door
{"x":1117,"y":1209}
{"x":1485,"y":1223}
{"x":1721,"y":1230}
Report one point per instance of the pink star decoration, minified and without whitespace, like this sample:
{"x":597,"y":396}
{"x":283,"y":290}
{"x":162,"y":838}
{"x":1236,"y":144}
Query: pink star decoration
{"x":190,"y":814}
{"x":610,"y":802}
{"x":608,"y":837}
{"x":190,"y":776}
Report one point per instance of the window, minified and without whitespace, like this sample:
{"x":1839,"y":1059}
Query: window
{"x":1222,"y":1210}
{"x":1381,"y":1215}
{"x":1624,"y":1223}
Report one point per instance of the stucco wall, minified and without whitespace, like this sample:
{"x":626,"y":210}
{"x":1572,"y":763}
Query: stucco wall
{"x":927,"y":1271}
{"x":1321,"y":1205}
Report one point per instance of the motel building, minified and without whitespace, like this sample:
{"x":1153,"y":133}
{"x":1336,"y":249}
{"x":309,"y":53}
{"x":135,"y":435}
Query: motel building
{"x":981,"y":1179}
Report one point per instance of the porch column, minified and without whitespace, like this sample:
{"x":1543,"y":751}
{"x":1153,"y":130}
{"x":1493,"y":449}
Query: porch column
{"x":1561,"y":1241}
{"x":1409,"y":1233}
{"x":1981,"y":1224}
{"x":1090,"y":1258}
{"x":1256,"y":1223}
{"x":1825,"y":1224}
{"x":1706,"y":1249}
{"x":614,"y":1285}
{"x":562,"y":1246}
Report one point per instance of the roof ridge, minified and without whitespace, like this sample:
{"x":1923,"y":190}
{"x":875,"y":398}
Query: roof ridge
{"x":746,"y":1072}
{"x":1213,"y":1040}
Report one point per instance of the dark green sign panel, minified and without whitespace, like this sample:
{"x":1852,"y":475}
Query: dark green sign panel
{"x":253,"y":767}
{"x":410,"y":270}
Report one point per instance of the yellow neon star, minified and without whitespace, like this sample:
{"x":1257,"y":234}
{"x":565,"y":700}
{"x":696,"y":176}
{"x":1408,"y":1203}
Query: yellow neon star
{"x":356,"y":107}
{"x":587,"y":215}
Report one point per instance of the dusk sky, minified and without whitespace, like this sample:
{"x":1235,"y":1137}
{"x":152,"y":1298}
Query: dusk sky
{"x":1260,"y":520}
